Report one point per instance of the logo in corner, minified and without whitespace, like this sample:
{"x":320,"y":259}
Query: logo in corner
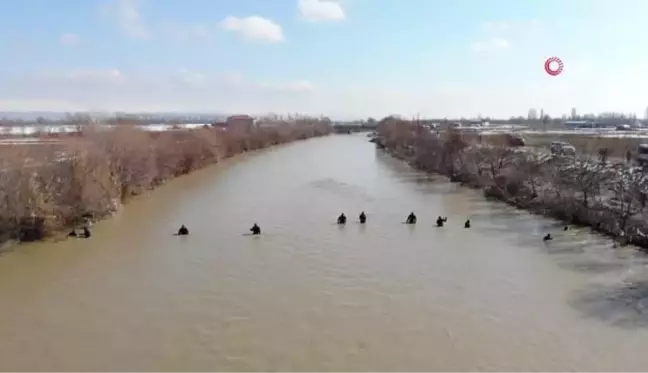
{"x":554,"y":66}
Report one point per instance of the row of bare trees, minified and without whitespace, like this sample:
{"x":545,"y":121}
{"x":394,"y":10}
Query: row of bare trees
{"x":100,"y":169}
{"x":592,"y":191}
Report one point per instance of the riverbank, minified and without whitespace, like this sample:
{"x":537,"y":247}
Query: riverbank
{"x":607,"y":196}
{"x":49,"y":190}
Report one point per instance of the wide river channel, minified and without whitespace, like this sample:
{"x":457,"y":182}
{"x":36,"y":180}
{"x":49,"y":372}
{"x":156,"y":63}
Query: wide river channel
{"x":310,"y":295}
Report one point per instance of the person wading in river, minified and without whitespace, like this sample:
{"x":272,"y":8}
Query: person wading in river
{"x":183,"y":231}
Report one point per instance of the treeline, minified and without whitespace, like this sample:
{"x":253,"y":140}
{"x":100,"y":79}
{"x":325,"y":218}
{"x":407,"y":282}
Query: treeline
{"x":43,"y":192}
{"x":608,"y":196}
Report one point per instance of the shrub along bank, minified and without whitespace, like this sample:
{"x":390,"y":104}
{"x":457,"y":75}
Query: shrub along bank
{"x":89,"y":176}
{"x":610,"y":197}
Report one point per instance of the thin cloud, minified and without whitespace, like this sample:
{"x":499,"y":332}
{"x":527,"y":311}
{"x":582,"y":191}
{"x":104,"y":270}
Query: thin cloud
{"x":184,"y":32}
{"x":69,"y":39}
{"x":320,"y":10}
{"x":490,"y":45}
{"x":128,"y":18}
{"x":303,"y":86}
{"x":254,"y":28}
{"x":496,"y":25}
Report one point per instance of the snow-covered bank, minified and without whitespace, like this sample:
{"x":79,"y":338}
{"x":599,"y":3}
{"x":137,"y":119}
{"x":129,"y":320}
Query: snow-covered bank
{"x":61,"y":129}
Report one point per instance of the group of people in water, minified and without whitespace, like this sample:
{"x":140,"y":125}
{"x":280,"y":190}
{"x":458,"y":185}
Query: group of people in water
{"x":411,"y":219}
{"x":84,"y":233}
{"x":341,"y":220}
{"x":548,"y":236}
{"x":184,"y":231}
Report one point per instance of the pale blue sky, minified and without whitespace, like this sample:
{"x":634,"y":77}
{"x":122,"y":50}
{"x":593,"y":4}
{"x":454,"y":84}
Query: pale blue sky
{"x":343,"y":58}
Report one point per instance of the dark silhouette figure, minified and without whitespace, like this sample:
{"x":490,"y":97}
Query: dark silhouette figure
{"x":411,"y":219}
{"x":440,"y":221}
{"x":566,"y":228}
{"x":363,"y":218}
{"x":85,"y":233}
{"x":255,"y":229}
{"x":183,"y":231}
{"x":467,"y":224}
{"x":547,"y":237}
{"x":341,"y":219}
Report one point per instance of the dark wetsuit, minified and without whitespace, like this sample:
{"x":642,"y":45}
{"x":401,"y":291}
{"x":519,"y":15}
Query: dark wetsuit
{"x":255,"y":229}
{"x":467,"y":224}
{"x":86,"y":232}
{"x":411,"y":219}
{"x":547,"y":237}
{"x":183,"y":231}
{"x":440,"y":221}
{"x":363,"y":218}
{"x":341,"y":219}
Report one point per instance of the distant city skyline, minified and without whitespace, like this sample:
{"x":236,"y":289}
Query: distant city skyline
{"x":346,"y":58}
{"x":31,"y":116}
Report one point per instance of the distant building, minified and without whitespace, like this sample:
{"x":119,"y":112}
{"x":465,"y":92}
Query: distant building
{"x":574,"y":114}
{"x":587,"y":124}
{"x":580,"y":124}
{"x":243,"y":123}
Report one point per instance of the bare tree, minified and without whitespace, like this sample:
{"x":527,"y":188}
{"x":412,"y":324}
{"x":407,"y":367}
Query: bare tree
{"x":531,"y":166}
{"x":494,"y":159}
{"x":626,"y":188}
{"x":586,"y":178}
{"x":453,"y":148}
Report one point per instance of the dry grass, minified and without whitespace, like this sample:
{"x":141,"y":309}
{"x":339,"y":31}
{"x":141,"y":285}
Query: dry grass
{"x":103,"y":168}
{"x":588,"y":145}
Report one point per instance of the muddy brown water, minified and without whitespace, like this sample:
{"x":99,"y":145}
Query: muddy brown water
{"x":309,"y":295}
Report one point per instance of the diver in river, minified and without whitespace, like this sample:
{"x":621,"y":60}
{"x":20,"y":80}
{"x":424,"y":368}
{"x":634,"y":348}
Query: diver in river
{"x":255,"y":229}
{"x":440,"y":221}
{"x":85,"y":233}
{"x":566,"y":228}
{"x":467,"y":224}
{"x":411,"y":219}
{"x":547,"y":237}
{"x":341,"y":219}
{"x":183,"y":231}
{"x":363,"y":218}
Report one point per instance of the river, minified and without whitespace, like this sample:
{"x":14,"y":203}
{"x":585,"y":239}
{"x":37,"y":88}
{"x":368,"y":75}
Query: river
{"x":309,"y":295}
